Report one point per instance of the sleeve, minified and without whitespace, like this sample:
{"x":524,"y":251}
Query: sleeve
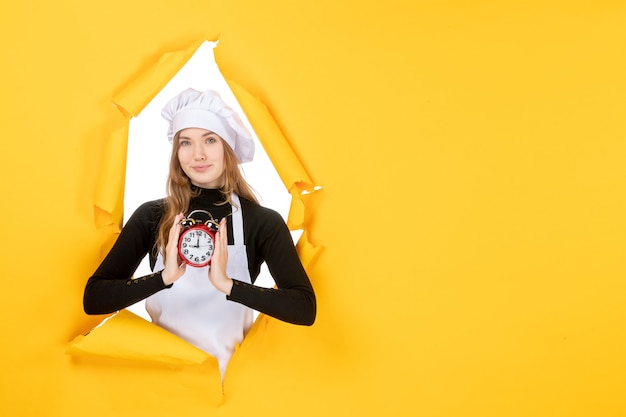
{"x":111,"y":287}
{"x":293,"y":300}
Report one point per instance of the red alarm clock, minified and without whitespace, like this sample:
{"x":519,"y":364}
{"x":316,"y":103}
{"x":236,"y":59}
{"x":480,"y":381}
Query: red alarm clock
{"x":197,"y":240}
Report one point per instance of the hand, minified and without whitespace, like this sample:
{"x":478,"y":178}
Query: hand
{"x":174,"y":268}
{"x":219,"y":260}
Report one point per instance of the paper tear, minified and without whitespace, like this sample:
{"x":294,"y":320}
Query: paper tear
{"x":138,"y":93}
{"x":307,"y":252}
{"x":108,"y":199}
{"x":125,"y":335}
{"x":289,"y":168}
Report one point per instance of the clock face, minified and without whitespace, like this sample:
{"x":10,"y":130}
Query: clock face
{"x":196,"y":245}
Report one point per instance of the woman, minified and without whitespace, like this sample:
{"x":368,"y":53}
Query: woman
{"x":211,"y":307}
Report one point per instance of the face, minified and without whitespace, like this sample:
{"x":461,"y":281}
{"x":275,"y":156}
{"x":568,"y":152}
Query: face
{"x":201,"y":156}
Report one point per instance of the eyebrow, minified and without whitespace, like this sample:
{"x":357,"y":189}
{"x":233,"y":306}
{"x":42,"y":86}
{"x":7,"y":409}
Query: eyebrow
{"x":203,"y":136}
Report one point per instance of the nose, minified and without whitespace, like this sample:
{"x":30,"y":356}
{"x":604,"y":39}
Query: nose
{"x":198,"y":153}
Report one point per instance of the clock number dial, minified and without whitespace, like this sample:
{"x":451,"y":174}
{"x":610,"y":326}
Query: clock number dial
{"x":196,"y":245}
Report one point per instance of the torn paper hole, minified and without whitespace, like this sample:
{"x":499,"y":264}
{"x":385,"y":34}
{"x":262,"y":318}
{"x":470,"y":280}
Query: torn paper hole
{"x":288,"y":176}
{"x":149,"y":151}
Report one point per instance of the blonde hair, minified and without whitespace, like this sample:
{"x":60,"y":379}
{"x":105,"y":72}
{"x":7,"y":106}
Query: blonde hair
{"x":180,"y":190}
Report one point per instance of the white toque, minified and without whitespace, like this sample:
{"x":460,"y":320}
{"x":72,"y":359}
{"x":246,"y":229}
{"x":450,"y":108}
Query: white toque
{"x":207,"y":110}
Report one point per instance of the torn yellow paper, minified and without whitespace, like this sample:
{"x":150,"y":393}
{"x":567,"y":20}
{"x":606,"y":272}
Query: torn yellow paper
{"x":285,"y":160}
{"x":287,"y":164}
{"x":490,"y":134}
{"x":137,"y":94}
{"x":306,"y":250}
{"x":108,"y":200}
{"x":128,"y":336}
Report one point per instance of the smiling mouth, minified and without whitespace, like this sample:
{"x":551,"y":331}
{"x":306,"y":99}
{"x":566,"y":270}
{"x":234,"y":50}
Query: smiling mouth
{"x":201,"y":167}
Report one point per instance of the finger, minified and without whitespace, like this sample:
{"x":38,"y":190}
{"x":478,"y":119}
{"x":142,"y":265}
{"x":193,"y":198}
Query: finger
{"x":223,"y":231}
{"x":176,"y":224}
{"x":175,"y":229}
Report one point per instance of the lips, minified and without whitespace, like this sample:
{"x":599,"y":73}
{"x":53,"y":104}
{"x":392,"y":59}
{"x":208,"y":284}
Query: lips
{"x":201,"y":168}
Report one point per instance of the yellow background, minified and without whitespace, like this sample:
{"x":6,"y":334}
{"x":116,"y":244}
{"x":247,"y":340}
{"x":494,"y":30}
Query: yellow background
{"x":471,"y":218}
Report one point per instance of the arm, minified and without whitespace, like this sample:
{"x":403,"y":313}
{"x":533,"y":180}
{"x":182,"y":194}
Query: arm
{"x":111,"y":287}
{"x":293,"y":300}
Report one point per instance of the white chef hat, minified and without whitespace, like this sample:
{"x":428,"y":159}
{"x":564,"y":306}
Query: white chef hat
{"x":206,"y":110}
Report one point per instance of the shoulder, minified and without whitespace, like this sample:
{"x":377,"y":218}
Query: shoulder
{"x":143,"y":224}
{"x":256,"y":212}
{"x":149,"y":212}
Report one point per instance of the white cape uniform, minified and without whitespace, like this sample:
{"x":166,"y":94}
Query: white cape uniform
{"x":194,"y":310}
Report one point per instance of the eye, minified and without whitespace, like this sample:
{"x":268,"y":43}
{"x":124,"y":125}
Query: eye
{"x":184,"y":143}
{"x":211,"y":140}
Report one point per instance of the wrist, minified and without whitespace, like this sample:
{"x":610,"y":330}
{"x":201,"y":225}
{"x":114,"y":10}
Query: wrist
{"x":228,"y":286}
{"x":167,"y":280}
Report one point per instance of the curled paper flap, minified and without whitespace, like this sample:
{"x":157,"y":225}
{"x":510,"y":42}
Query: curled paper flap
{"x":285,"y":161}
{"x":128,"y":336}
{"x":289,"y":168}
{"x":307,"y":251}
{"x":137,"y":94}
{"x":109,"y":196}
